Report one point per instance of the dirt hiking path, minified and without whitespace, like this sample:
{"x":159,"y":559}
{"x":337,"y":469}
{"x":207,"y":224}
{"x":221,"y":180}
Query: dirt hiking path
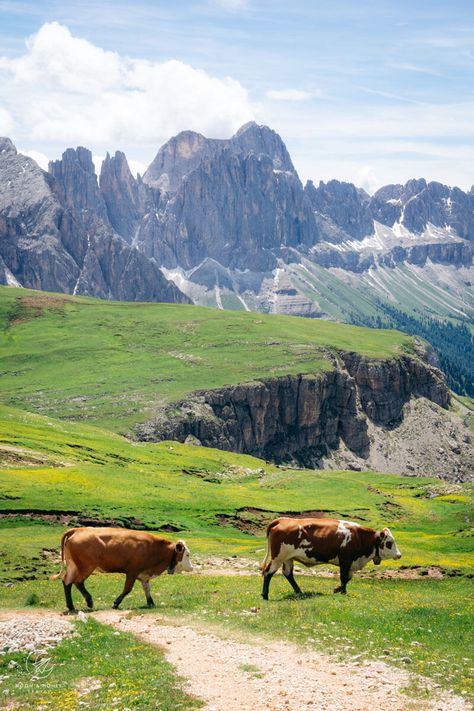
{"x":231,"y":675}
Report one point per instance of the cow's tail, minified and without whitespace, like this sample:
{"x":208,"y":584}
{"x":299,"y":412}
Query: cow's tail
{"x":64,"y":538}
{"x":268,"y":555}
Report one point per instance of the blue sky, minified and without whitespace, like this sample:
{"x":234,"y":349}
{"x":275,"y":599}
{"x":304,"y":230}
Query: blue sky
{"x":369,"y":91}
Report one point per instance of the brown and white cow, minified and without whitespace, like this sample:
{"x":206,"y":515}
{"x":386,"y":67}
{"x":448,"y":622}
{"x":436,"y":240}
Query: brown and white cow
{"x":315,"y":541}
{"x":136,"y":554}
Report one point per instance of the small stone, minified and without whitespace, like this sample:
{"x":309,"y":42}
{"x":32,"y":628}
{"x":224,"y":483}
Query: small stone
{"x":406,"y":660}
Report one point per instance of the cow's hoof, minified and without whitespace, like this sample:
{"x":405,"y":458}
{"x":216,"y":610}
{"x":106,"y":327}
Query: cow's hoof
{"x":115,"y":607}
{"x":71,"y":611}
{"x":265,"y":597}
{"x":151,"y":604}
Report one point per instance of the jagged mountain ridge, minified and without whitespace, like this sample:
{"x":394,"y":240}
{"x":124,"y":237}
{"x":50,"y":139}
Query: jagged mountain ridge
{"x":55,"y":234}
{"x":229,"y":221}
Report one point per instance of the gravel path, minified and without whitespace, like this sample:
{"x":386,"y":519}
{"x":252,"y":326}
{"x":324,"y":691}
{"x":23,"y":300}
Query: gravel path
{"x":230,"y":674}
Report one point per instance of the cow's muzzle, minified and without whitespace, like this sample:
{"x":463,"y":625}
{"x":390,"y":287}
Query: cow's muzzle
{"x":377,"y":560}
{"x":171,"y":569}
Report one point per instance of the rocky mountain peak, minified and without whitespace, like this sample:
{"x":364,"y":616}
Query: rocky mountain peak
{"x":183,"y":153}
{"x":77,"y":185}
{"x":125,"y":197}
{"x":6,"y":146}
{"x":346,"y":206}
{"x":177,"y":158}
{"x":418,"y":204}
{"x":252,"y":137}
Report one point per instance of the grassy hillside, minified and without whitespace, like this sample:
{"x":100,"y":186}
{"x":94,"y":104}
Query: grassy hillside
{"x":50,"y":466}
{"x":109,"y":365}
{"x":114,"y":363}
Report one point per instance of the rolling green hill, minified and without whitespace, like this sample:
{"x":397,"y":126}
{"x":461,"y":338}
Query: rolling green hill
{"x":114,"y":363}
{"x":219,"y":501}
{"x":55,"y":473}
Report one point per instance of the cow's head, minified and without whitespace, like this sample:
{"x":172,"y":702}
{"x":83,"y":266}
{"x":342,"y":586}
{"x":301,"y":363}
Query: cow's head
{"x":385,"y":547}
{"x":180,"y":561}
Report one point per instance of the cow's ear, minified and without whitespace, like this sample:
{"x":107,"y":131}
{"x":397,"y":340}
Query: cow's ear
{"x":383,"y":534}
{"x":179,"y":547}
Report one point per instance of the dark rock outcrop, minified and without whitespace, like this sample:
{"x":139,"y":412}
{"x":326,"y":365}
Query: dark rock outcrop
{"x":302,"y":417}
{"x":77,"y":187}
{"x":384,"y":387}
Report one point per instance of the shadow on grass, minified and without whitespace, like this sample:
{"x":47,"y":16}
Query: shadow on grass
{"x":303,"y":595}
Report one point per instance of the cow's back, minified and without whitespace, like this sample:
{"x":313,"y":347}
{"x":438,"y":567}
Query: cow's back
{"x":112,"y":550}
{"x":322,"y":538}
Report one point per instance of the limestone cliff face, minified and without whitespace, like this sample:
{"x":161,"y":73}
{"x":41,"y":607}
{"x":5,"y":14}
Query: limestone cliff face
{"x":341,"y":209}
{"x":383,"y":387}
{"x":126,"y":198}
{"x":183,"y":153}
{"x":55,"y":234}
{"x":418,"y":203}
{"x":456,"y":252}
{"x":302,"y":417}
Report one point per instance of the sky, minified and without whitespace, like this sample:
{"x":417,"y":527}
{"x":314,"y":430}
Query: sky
{"x":368,"y":91}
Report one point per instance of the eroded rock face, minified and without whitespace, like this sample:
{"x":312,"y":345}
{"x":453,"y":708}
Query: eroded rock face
{"x":455,"y":252}
{"x":34,"y":231}
{"x":185,"y":152}
{"x":344,"y":207}
{"x":418,"y":203}
{"x":302,"y":417}
{"x":77,"y":187}
{"x":122,"y":195}
{"x":384,"y":387}
{"x":238,"y":201}
{"x":55,"y":234}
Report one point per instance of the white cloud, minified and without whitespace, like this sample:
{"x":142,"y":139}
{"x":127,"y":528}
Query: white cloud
{"x":37,"y":156}
{"x":6,"y":122}
{"x":289,"y":95}
{"x":137,"y":167}
{"x":65,"y":90}
{"x":366,"y":178}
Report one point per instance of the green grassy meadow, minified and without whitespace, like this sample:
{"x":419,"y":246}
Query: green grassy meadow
{"x":76,"y":372}
{"x":51,"y":466}
{"x":114,"y":363}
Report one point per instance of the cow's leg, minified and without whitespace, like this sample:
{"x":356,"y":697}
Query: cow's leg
{"x":68,"y":596}
{"x":345,"y":575}
{"x":129,"y":583}
{"x":268,"y":573}
{"x":146,"y":588}
{"x":85,"y":594}
{"x":288,"y":573}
